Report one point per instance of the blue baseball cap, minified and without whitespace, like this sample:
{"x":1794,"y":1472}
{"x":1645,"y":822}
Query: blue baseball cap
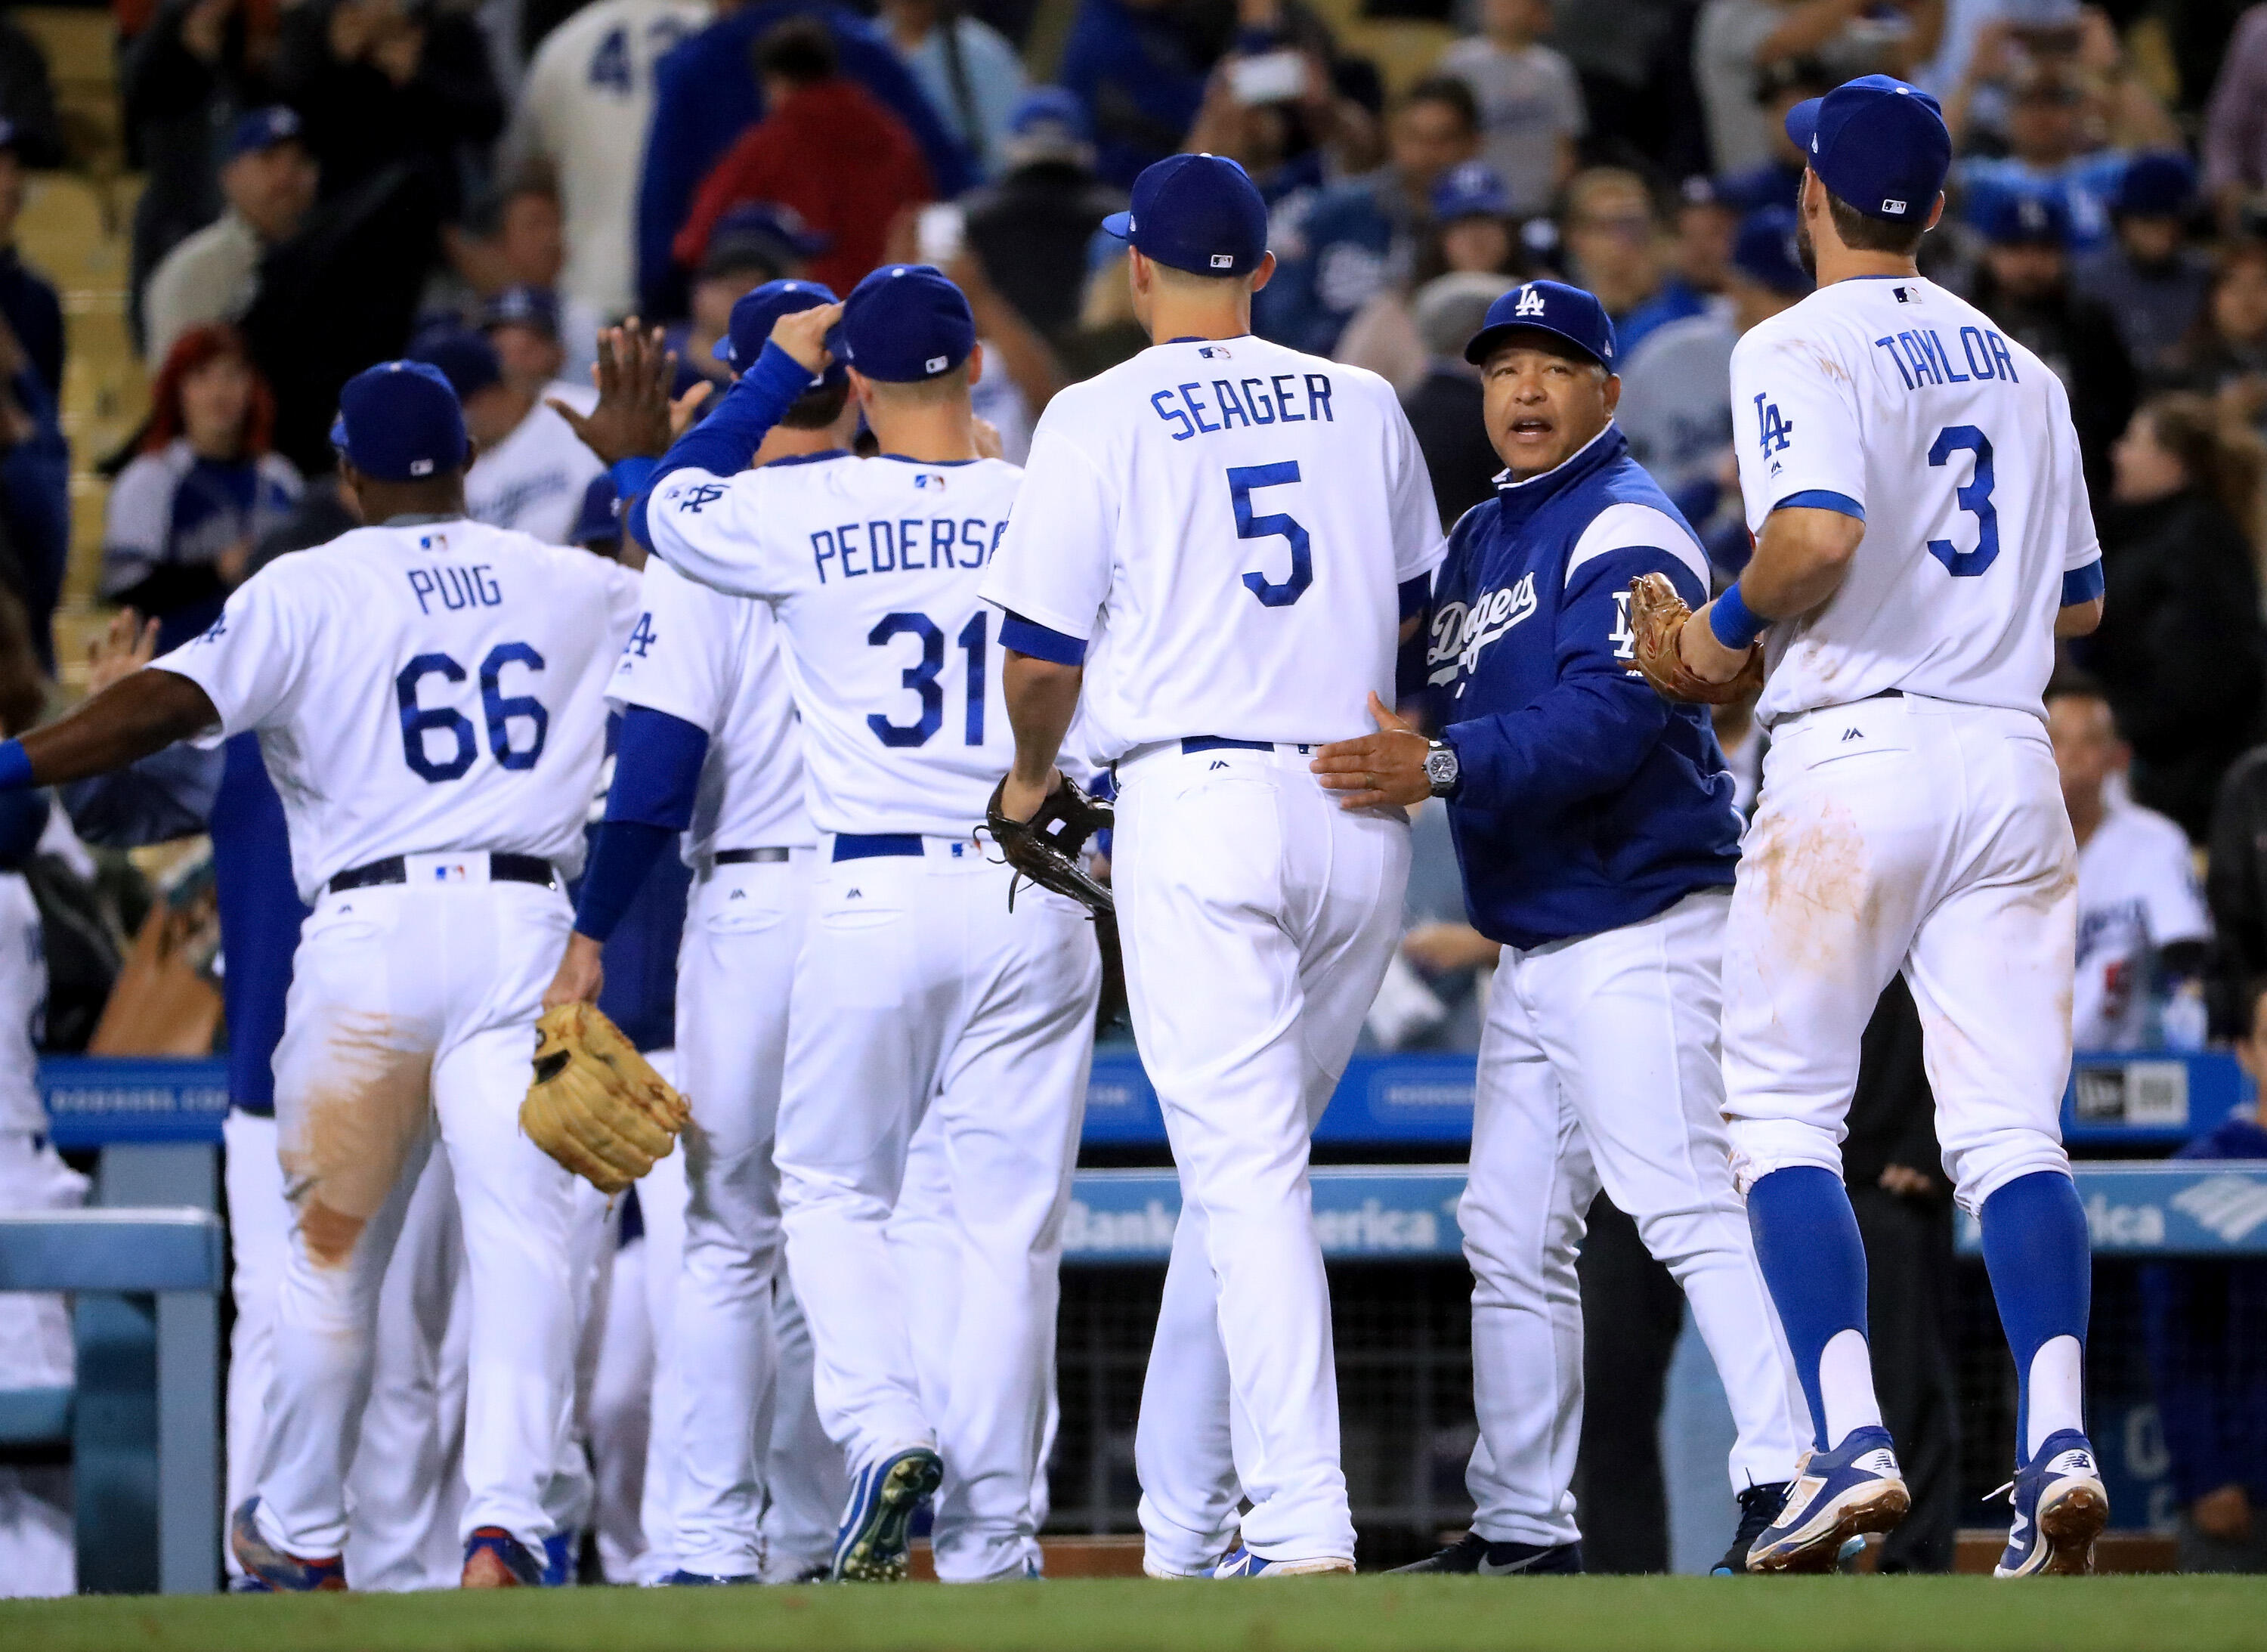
{"x":1876,"y":143}
{"x":1473,"y":190}
{"x":2160,"y":185}
{"x":1199,"y":213}
{"x":467,"y":360}
{"x":1546,"y":306}
{"x":599,"y":521}
{"x":904,"y":323}
{"x":762,"y":234}
{"x":1051,"y":106}
{"x":263,"y":129}
{"x":535,"y":307}
{"x":754,"y":314}
{"x":401,"y":421}
{"x":1765,"y":251}
{"x":2024,"y":217}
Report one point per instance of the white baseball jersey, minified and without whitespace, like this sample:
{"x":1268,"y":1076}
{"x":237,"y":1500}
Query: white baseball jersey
{"x":1893,"y":400}
{"x":584,"y":105}
{"x":422,"y":687}
{"x":534,"y":479}
{"x":872,"y":566}
{"x":1226,"y":525}
{"x":2137,"y":894}
{"x":713,"y":661}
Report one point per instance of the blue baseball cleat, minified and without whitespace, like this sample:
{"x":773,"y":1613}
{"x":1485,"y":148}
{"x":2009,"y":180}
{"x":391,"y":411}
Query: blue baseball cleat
{"x":494,"y":1559}
{"x":1475,"y":1554}
{"x":877,"y":1526}
{"x":2060,"y":1508}
{"x":561,"y":1551}
{"x":269,"y":1570}
{"x":1836,"y":1495}
{"x":681,"y":1579}
{"x":1241,"y":1562}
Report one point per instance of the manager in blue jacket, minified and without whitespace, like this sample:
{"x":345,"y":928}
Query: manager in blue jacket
{"x":1594,"y":822}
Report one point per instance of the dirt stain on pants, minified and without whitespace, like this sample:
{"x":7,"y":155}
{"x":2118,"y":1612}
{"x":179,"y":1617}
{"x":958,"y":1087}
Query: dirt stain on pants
{"x":369,"y":1103}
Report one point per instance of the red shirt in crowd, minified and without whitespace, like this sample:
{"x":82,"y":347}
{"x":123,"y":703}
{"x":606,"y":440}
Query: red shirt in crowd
{"x":834,"y":153}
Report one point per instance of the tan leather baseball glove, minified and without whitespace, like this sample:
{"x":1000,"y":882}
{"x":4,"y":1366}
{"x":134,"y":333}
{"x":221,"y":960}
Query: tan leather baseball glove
{"x":1657,"y":616}
{"x":596,"y":1104}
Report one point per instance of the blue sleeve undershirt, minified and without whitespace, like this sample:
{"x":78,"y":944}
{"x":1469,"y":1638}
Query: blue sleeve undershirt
{"x":723,"y":442}
{"x":23,"y":817}
{"x":656,"y":778}
{"x":1028,"y":636}
{"x":2082,"y":584}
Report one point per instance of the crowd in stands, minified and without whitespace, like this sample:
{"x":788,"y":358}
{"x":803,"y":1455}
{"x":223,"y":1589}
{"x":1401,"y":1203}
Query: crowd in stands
{"x":333,"y":182}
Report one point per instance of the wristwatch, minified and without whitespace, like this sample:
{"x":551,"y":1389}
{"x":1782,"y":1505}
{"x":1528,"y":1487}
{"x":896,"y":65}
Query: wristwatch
{"x":1441,"y":768}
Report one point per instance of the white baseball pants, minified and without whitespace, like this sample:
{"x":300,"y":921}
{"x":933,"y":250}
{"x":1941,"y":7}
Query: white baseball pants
{"x":736,"y":969}
{"x":406,"y":1485}
{"x":38,"y":1552}
{"x":1258,"y":917}
{"x":412,"y":1013}
{"x":918,"y":988}
{"x":1913,"y":834}
{"x":1598,"y":1066}
{"x":258,"y":1238}
{"x":803,"y":1470}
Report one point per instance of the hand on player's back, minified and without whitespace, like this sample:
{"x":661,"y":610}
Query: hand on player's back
{"x":801,"y":333}
{"x":633,"y":416}
{"x":1377,"y":769}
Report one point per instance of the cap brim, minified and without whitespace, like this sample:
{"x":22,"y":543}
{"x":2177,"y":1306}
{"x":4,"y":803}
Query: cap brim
{"x":1119,"y":225}
{"x":339,"y":433}
{"x":1802,"y":122}
{"x":1489,"y":340}
{"x":722,"y":351}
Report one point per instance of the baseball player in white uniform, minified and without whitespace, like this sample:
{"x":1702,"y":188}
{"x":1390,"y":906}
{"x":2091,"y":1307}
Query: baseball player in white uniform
{"x":709,"y":748}
{"x":1211,"y":560}
{"x":918,"y":988}
{"x":429,"y":694}
{"x":1913,"y":479}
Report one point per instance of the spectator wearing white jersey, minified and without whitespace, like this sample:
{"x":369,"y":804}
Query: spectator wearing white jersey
{"x":583,"y":110}
{"x":2142,"y":928}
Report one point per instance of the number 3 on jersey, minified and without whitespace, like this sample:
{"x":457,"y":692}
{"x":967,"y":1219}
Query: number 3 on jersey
{"x":499,"y":710}
{"x":1973,"y":496}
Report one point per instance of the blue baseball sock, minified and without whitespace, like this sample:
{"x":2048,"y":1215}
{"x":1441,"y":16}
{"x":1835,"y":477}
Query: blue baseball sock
{"x":1806,"y":1240}
{"x":2042,"y":1268}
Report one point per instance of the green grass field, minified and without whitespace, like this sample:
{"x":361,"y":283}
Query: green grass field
{"x":1308,"y":1615}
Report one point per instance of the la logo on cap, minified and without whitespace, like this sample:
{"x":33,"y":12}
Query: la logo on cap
{"x":1530,"y":302}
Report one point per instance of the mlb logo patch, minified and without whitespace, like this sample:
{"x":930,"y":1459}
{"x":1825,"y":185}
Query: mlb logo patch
{"x":433,"y":542}
{"x":929,"y":481}
{"x":1897,"y":207}
{"x":1214,"y":352}
{"x":1223,"y":260}
{"x":454,"y":872}
{"x":935,"y":364}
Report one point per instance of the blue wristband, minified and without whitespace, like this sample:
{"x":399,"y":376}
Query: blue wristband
{"x":15,"y":766}
{"x":1734,"y":625}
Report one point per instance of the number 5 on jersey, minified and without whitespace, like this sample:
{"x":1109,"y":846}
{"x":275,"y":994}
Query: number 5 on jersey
{"x":1243,"y":481}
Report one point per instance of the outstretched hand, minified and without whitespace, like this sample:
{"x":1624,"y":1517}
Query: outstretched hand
{"x":634,"y":416}
{"x":1377,"y":769}
{"x":128,"y":645}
